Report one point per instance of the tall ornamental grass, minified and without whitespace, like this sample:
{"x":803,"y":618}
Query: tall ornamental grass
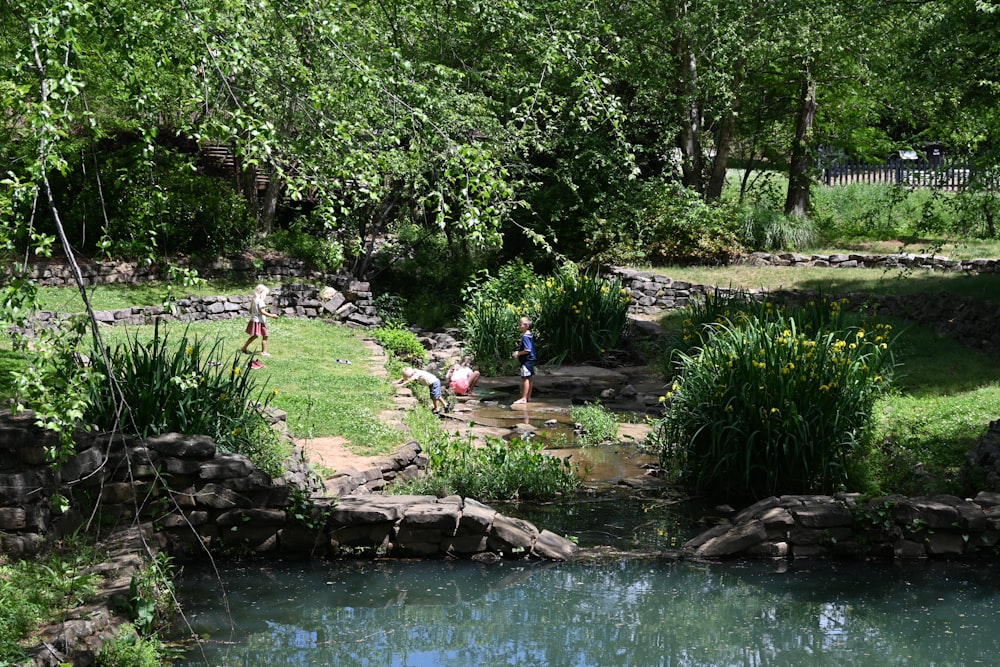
{"x":185,"y":386}
{"x":576,"y":317}
{"x":767,"y":406}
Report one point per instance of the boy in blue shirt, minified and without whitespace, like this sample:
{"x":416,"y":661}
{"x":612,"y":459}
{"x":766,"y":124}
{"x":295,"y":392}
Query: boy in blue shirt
{"x":525,"y":354}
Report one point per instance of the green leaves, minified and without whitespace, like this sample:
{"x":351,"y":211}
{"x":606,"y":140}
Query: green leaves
{"x":184,"y":386}
{"x":577,"y":317}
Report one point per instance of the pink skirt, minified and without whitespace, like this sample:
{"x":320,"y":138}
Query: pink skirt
{"x":256,"y":329}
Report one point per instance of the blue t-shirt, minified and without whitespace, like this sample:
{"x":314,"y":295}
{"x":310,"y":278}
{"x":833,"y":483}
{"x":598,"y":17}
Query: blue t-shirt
{"x":527,"y":343}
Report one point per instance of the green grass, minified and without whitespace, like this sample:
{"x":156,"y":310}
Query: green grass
{"x":118,"y":296}
{"x":322,"y":397}
{"x":33,"y":592}
{"x":597,"y":423}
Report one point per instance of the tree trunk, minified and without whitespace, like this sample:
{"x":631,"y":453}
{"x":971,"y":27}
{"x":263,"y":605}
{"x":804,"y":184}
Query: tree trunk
{"x":689,"y":137}
{"x":799,"y":181}
{"x":724,"y":139}
{"x":269,"y":206}
{"x":246,"y":180}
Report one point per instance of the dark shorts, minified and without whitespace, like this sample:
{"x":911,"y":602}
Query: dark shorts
{"x":528,"y":369}
{"x":436,"y":389}
{"x":257,"y":329}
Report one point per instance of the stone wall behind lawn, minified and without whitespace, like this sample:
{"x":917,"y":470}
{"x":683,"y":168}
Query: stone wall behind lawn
{"x":299,"y":292}
{"x":974,"y":322}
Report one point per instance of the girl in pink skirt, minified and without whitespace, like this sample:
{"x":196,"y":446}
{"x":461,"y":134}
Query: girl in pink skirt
{"x":258,"y":316}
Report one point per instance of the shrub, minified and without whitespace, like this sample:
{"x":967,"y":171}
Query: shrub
{"x":312,"y":246}
{"x":662,"y":223}
{"x":764,"y":408}
{"x":155,"y":203}
{"x":489,"y":320}
{"x":497,"y":470}
{"x":160,"y":386}
{"x":597,"y":423}
{"x":767,"y":229}
{"x":576,"y":318}
{"x":128,"y":649}
{"x":402,"y":344}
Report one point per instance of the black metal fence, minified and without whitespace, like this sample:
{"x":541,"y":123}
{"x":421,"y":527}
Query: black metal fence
{"x":951,"y":176}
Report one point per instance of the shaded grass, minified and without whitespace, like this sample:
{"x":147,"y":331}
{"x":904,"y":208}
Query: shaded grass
{"x":838,"y":281}
{"x":969,"y":249}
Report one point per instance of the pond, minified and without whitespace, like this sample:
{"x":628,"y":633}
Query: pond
{"x":626,"y":606}
{"x":629,"y":612}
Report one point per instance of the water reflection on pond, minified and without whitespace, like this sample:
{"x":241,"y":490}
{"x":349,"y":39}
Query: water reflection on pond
{"x":629,"y":613}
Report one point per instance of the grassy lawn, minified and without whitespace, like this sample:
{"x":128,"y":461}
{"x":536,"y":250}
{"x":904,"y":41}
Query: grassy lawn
{"x":322,"y":397}
{"x":946,"y":393}
{"x":118,"y":296}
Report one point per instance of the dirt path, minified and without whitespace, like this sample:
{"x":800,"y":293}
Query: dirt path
{"x":333,"y":454}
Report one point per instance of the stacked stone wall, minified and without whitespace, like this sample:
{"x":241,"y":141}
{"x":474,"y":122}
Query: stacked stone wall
{"x":849,"y":526}
{"x":299,"y":292}
{"x":906,"y":261}
{"x":198,"y":499}
{"x":974,"y":322}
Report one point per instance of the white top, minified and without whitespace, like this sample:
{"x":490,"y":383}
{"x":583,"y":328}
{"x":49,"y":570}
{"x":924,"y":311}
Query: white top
{"x":423,"y":376}
{"x":257,"y":307}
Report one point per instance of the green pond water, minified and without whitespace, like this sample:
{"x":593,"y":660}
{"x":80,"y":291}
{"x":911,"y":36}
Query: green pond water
{"x":628,"y":612}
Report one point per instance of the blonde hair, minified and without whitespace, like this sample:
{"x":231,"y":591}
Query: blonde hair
{"x":409,"y":372}
{"x":525,"y":320}
{"x":260,"y":291}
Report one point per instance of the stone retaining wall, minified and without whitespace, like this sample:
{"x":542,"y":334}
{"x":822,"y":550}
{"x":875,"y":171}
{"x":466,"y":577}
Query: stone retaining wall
{"x":868,"y":261}
{"x":848,"y":526}
{"x":341,"y":299}
{"x":973,"y":322}
{"x":352,"y":306}
{"x":198,"y":498}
